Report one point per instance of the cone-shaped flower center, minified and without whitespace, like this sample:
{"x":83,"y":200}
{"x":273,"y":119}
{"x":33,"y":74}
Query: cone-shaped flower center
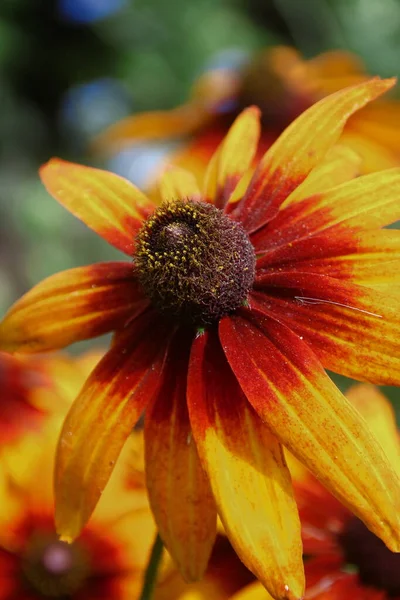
{"x":54,"y":569}
{"x":195,"y":264}
{"x":376,"y":564}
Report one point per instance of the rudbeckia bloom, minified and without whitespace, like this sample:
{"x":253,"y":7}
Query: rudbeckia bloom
{"x":238,"y":296}
{"x":283,"y":85}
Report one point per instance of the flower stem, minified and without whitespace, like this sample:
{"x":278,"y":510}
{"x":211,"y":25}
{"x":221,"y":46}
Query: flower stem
{"x":150,"y":576}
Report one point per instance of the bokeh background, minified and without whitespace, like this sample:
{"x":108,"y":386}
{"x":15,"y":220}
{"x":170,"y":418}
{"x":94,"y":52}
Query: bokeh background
{"x":69,"y":68}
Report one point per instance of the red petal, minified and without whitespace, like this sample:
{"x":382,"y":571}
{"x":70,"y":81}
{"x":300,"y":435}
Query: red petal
{"x":179,"y":491}
{"x":72,"y":305}
{"x":354,"y":330}
{"x":292,"y":394}
{"x":368,"y":202}
{"x":101,"y":419}
{"x":247,"y":471}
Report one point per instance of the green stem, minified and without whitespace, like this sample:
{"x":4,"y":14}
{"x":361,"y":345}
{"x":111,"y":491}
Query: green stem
{"x":150,"y":576}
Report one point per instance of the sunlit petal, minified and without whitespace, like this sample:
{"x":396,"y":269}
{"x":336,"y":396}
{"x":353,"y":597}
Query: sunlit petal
{"x":72,"y":305}
{"x":101,"y":419}
{"x":247,"y":471}
{"x":288,"y":388}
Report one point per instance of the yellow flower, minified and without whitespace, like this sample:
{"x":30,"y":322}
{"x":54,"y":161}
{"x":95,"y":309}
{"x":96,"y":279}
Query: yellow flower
{"x":238,"y":297}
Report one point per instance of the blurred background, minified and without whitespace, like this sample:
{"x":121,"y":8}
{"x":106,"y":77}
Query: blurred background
{"x":69,"y":68}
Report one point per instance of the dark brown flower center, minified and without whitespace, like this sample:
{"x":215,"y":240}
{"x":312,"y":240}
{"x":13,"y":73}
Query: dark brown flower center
{"x":54,"y":569}
{"x":195,"y":264}
{"x":377,"y":566}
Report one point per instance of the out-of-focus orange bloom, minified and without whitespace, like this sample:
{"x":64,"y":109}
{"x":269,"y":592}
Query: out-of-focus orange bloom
{"x":283,"y":85}
{"x":108,"y":559}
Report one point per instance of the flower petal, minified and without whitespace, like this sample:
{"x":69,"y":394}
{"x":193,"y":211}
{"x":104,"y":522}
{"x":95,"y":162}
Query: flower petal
{"x":236,"y":153}
{"x":292,"y":394}
{"x":179,"y":491}
{"x":341,"y":164}
{"x":380,"y":416}
{"x":247,"y":470}
{"x":353,"y":330}
{"x":72,"y":305}
{"x":371,"y":259}
{"x":101,"y":419}
{"x":299,"y":149}
{"x":178,"y":184}
{"x":110,"y":205}
{"x":368,"y":202}
{"x":152,"y":126}
{"x":254,"y":591}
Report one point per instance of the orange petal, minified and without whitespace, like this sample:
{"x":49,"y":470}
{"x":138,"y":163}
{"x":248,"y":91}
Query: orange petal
{"x":179,"y":491}
{"x":353,"y":330}
{"x":374,"y":155}
{"x":371,"y":259}
{"x":248,"y":473}
{"x":152,"y":126}
{"x":72,"y":305}
{"x":379,"y":414}
{"x":341,"y":164}
{"x":299,"y":149}
{"x":236,"y":154}
{"x":178,"y":184}
{"x":368,"y":202}
{"x":110,"y":205}
{"x":292,"y":394}
{"x":101,"y":419}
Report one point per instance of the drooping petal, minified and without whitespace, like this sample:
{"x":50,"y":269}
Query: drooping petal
{"x":101,"y":419}
{"x":110,"y":205}
{"x":72,"y":305}
{"x":247,"y":470}
{"x":236,"y":154}
{"x":178,"y":184}
{"x":353,"y":330}
{"x":368,"y":202}
{"x":179,"y":491}
{"x":299,"y":149}
{"x":341,"y":164}
{"x":291,"y":392}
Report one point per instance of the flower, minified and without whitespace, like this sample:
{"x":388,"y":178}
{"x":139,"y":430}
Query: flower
{"x":238,"y":297}
{"x":108,"y":559}
{"x":18,"y":411}
{"x":283,"y":85}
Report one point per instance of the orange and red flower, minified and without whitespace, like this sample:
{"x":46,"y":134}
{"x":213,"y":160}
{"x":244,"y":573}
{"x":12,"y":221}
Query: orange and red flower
{"x":283,"y":85}
{"x":18,"y":411}
{"x":238,"y":296}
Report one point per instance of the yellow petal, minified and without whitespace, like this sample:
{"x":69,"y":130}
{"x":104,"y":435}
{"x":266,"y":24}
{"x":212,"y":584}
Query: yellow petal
{"x":178,"y":184}
{"x":290,"y":391}
{"x":248,"y":473}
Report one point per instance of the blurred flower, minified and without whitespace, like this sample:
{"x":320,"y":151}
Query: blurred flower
{"x":108,"y":559}
{"x":238,"y":297}
{"x":283,"y":85}
{"x":18,"y":411}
